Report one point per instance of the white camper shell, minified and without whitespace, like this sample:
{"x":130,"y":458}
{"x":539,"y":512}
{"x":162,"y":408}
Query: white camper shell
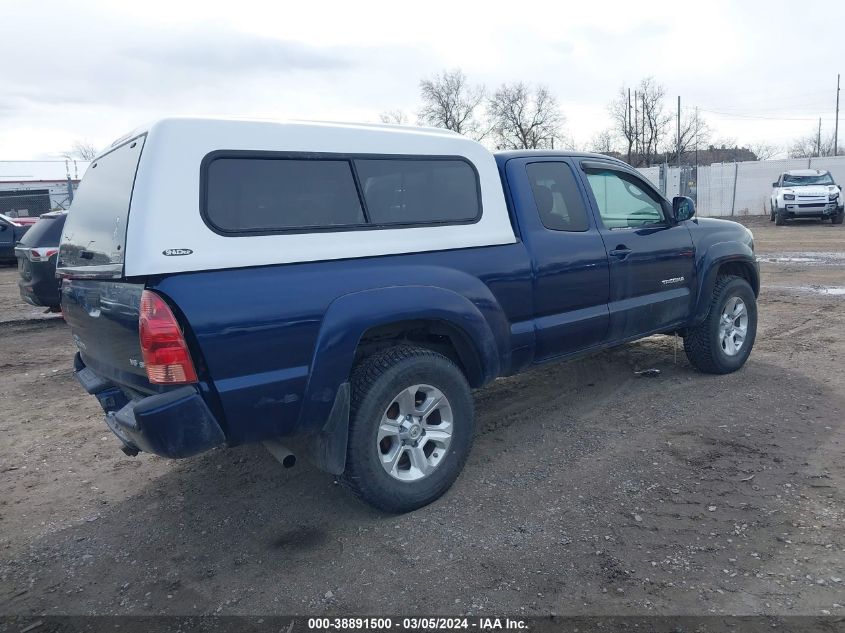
{"x":146,"y":206}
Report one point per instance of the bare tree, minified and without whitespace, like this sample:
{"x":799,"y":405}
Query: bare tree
{"x":568,"y":142}
{"x":695,"y":134}
{"x":81,"y":150}
{"x":603,"y":142}
{"x":523,"y":117}
{"x":763,"y":150}
{"x":451,"y":102}
{"x":811,"y":145}
{"x":655,"y":120}
{"x":395,"y":117}
{"x":622,"y":114}
{"x":639,"y":118}
{"x":804,"y":147}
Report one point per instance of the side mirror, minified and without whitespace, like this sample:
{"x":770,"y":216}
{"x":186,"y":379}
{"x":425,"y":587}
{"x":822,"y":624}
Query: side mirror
{"x":683,"y":208}
{"x":775,"y":184}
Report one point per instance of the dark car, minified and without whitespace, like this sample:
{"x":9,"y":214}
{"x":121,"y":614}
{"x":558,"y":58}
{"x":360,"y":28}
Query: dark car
{"x":36,"y":253}
{"x":24,"y":220}
{"x":10,"y":232}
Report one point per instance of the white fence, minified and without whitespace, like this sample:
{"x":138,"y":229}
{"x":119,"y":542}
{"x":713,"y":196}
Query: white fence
{"x":725,"y":189}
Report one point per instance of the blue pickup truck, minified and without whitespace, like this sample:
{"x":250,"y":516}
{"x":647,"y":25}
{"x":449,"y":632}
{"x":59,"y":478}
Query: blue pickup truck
{"x":337,"y":291}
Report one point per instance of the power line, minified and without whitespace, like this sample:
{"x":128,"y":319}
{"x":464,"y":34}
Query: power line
{"x":735,"y":115}
{"x":781,"y":104}
{"x":762,"y":97}
{"x":816,"y":107}
{"x":836,"y":132}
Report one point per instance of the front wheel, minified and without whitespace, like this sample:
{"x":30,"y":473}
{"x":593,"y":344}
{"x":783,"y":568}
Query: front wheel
{"x":780,"y":217}
{"x":410,"y":428}
{"x":723,"y":342}
{"x":771,"y":211}
{"x":837,"y":219}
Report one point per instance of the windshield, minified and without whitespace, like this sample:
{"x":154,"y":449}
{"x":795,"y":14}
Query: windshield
{"x":803,"y":181}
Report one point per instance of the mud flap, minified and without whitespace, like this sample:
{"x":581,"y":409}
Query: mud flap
{"x":327,"y":449}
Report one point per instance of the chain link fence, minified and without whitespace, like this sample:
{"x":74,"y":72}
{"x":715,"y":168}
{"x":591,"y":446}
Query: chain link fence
{"x":31,"y":187}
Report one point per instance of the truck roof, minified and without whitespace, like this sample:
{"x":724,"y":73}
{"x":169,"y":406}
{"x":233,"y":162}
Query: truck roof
{"x":316,"y":130}
{"x":805,"y":172}
{"x":523,"y":153}
{"x":505,"y":155}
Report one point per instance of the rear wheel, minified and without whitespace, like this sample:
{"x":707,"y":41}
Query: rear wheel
{"x":410,"y":429}
{"x":723,"y":342}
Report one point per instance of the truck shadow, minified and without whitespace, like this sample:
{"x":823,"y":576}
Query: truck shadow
{"x":233,"y":531}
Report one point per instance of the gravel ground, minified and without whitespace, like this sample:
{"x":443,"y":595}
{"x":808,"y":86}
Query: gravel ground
{"x":12,"y":309}
{"x":590,"y":490}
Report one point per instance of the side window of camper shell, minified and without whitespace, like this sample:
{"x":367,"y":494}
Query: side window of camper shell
{"x":265,"y":193}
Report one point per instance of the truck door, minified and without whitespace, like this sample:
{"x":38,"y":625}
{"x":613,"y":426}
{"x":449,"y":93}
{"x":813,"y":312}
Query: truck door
{"x":570,"y":267}
{"x":652,"y":259}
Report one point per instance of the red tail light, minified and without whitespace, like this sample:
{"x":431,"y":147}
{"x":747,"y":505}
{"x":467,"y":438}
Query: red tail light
{"x":166,"y":356}
{"x":41,"y":254}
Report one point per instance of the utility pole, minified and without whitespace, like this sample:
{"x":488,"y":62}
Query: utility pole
{"x":636,"y":123}
{"x":819,"y":139}
{"x":678,"y":140}
{"x":630,"y":126}
{"x":696,"y":144}
{"x":646,"y":149}
{"x":836,"y":127}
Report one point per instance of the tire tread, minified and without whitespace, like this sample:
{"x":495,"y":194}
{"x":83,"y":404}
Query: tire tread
{"x":697,"y":344}
{"x":364,"y":377}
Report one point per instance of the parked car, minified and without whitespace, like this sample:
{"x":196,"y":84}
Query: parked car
{"x":10,"y":232}
{"x":339,"y":290}
{"x":36,"y":253}
{"x":806,"y":193}
{"x":25,"y":220}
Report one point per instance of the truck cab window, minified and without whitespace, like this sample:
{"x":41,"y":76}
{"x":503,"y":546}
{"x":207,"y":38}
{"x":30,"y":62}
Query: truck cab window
{"x":557,"y":197}
{"x":623,"y":201}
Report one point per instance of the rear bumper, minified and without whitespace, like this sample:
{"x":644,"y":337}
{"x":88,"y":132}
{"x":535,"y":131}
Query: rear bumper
{"x":40,"y":292}
{"x":173,"y":424}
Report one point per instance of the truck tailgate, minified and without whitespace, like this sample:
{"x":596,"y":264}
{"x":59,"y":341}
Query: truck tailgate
{"x":103,"y":319}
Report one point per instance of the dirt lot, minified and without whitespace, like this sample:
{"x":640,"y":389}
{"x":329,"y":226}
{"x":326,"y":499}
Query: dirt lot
{"x":589,"y":491}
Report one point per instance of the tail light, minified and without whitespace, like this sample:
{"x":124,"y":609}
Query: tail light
{"x":166,"y":356}
{"x":41,"y":254}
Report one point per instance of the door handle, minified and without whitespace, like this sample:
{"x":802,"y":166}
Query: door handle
{"x":621,"y":251}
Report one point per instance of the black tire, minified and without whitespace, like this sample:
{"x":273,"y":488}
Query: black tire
{"x":837,"y":219}
{"x":780,"y":217}
{"x":376,"y":381}
{"x":702,"y":343}
{"x":771,"y":211}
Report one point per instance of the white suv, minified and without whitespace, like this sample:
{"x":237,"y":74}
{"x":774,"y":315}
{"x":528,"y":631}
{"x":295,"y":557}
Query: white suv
{"x":806,"y":193}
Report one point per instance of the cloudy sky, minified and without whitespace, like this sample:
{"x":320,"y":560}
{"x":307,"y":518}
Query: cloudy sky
{"x":91,"y":70}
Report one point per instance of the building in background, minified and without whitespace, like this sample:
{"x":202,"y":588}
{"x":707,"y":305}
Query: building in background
{"x":30,"y":188}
